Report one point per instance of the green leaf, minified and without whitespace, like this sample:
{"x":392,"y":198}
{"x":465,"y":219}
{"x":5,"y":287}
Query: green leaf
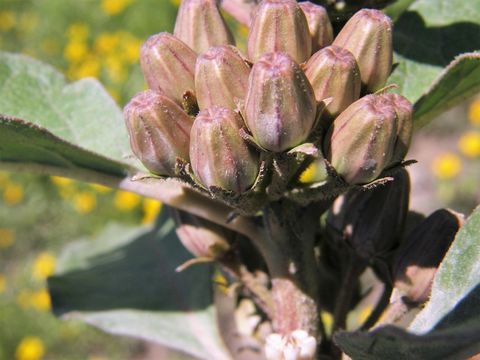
{"x":427,"y":38}
{"x":457,"y":276}
{"x":449,"y":340}
{"x":124,"y":282}
{"x":457,"y":82}
{"x":449,"y":326}
{"x":78,"y":116}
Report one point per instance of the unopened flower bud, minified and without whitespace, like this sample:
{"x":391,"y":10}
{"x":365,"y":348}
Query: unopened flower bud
{"x":221,"y":77}
{"x":280,"y":105}
{"x":279,"y":25}
{"x":219,"y":156}
{"x":201,"y":237}
{"x":159,"y":131}
{"x":333,"y":72}
{"x":361,"y":140}
{"x":372,"y":221}
{"x":420,"y":254}
{"x":168,"y":65}
{"x":319,"y":24}
{"x":297,"y":345}
{"x":368,"y":36}
{"x":201,"y":25}
{"x":404,"y":110}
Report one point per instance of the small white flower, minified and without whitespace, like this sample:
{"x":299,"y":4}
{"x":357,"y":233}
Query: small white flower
{"x":297,"y":345}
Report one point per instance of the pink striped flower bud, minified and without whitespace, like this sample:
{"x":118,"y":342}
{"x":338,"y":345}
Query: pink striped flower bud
{"x":279,"y":26}
{"x":200,"y":25}
{"x":319,"y":24}
{"x":280,"y":106}
{"x":159,"y":131}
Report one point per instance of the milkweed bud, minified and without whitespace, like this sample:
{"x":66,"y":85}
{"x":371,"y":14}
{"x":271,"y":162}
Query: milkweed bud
{"x":404,"y":110}
{"x":333,"y":72}
{"x":159,"y":131}
{"x":168,"y":65}
{"x":280,"y":105}
{"x":221,"y":77}
{"x":201,"y":237}
{"x":420,"y":254}
{"x":361,"y":140}
{"x":368,"y":36}
{"x":200,"y":25}
{"x":319,"y":25}
{"x":372,"y":221}
{"x":219,"y":156}
{"x":279,"y":25}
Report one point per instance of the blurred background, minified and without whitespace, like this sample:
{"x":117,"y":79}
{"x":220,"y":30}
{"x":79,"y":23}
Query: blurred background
{"x":38,"y":214}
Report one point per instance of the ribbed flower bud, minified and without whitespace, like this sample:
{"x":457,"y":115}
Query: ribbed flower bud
{"x":420,"y":254}
{"x":404,"y":110}
{"x":333,"y":72}
{"x":219,"y":156}
{"x":200,"y":25}
{"x":201,"y":237}
{"x":168,"y":65}
{"x":279,"y":25}
{"x":361,"y":140}
{"x":159,"y":131}
{"x":368,"y":36}
{"x":319,"y":24}
{"x":280,"y":106}
{"x":372,"y":221}
{"x":221,"y":77}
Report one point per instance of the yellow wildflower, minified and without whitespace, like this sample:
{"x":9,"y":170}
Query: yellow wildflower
{"x":4,"y":179}
{"x":24,"y":298}
{"x":41,"y":300}
{"x":469,"y":144}
{"x":126,"y":200}
{"x":84,"y":202}
{"x":114,"y":7}
{"x":3,"y":283}
{"x":115,"y":68}
{"x":28,"y":22}
{"x":131,"y":49}
{"x":13,"y":194}
{"x":175,"y":2}
{"x":474,"y":112}
{"x":61,"y":181}
{"x":78,"y":31}
{"x":106,"y":43}
{"x":151,"y":208}
{"x":100,"y":188}
{"x":327,"y":320}
{"x":44,"y":266}
{"x":7,"y":237}
{"x":315,"y":172}
{"x":90,"y":67}
{"x":75,"y":51}
{"x":447,"y":166}
{"x":364,"y":314}
{"x":7,"y":20}
{"x":30,"y":348}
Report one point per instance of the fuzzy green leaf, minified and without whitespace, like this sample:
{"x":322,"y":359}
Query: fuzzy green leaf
{"x":449,"y":325}
{"x":427,"y":38}
{"x":84,"y":124}
{"x":124,"y":282}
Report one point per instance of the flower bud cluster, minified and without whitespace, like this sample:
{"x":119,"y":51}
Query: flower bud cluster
{"x":294,"y":70}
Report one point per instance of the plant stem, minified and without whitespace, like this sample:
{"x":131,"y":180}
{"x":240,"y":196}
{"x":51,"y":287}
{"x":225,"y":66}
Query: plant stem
{"x":291,"y":263}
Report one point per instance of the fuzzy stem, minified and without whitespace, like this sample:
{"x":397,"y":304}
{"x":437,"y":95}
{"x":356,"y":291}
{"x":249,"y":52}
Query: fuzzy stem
{"x":292,"y":267}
